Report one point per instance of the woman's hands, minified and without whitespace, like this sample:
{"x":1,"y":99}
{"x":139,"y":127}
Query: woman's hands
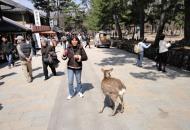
{"x":77,"y":58}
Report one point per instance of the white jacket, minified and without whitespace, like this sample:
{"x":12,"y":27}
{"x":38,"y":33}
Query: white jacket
{"x":163,"y":46}
{"x":143,"y":45}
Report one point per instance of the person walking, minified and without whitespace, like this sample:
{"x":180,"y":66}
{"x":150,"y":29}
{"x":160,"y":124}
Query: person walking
{"x":47,"y":52}
{"x":88,"y":41}
{"x":7,"y":49}
{"x":76,"y":54}
{"x":142,"y":45}
{"x":25,"y":53}
{"x":163,"y":53}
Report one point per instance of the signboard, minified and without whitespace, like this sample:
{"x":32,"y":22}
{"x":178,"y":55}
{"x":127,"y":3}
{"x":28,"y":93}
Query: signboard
{"x":37,"y":23}
{"x":37,"y":18}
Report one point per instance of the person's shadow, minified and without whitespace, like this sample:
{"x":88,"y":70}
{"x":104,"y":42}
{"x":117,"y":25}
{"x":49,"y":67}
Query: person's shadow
{"x":1,"y":106}
{"x":87,"y":87}
{"x":1,"y":83}
{"x":10,"y":74}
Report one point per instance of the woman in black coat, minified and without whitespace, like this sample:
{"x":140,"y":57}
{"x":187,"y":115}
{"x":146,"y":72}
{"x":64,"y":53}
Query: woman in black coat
{"x":76,"y":54}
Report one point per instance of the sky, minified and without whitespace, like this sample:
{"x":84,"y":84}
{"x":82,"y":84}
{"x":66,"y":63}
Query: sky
{"x":77,"y":1}
{"x":26,"y":3}
{"x":29,"y":4}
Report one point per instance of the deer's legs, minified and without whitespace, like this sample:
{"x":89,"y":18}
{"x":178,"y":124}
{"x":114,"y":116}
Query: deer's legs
{"x":122,"y":104}
{"x":102,"y":109}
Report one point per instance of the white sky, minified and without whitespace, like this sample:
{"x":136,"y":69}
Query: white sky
{"x":29,"y":4}
{"x":26,"y":3}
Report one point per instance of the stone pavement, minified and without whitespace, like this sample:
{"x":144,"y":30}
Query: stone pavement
{"x":154,"y":101}
{"x":27,"y":106}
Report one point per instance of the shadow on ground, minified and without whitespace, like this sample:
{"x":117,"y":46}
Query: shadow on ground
{"x":1,"y":106}
{"x":86,"y":87}
{"x":4,"y":64}
{"x":39,"y":75}
{"x":38,"y":68}
{"x":1,"y":83}
{"x":118,"y":57}
{"x":121,"y":57}
{"x":60,"y":73}
{"x":153,"y":74}
{"x":10,"y":74}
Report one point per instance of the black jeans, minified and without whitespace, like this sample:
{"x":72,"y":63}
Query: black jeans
{"x":45,"y":69}
{"x":163,"y":60}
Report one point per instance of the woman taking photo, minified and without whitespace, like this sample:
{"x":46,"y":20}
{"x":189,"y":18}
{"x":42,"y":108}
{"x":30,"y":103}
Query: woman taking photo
{"x":76,"y":54}
{"x":163,"y":53}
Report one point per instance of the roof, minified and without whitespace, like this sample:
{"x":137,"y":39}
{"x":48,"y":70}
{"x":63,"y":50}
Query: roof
{"x":8,"y":25}
{"x":5,"y":5}
{"x":18,"y":7}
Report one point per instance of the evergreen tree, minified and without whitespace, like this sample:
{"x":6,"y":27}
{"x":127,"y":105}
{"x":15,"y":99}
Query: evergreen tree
{"x":187,"y":20}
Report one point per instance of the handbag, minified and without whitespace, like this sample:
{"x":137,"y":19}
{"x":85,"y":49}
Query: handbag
{"x":64,"y":57}
{"x":48,"y":59}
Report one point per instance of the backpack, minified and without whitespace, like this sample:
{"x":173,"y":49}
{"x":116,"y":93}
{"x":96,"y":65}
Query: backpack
{"x":137,"y":48}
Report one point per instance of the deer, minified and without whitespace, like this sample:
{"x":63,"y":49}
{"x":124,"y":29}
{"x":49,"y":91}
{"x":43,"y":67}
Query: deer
{"x":113,"y":89}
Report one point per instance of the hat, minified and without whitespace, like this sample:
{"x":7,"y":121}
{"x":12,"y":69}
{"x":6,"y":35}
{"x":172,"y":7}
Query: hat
{"x":19,"y":37}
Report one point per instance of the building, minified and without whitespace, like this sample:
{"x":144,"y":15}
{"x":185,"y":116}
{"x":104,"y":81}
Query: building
{"x":24,"y":16}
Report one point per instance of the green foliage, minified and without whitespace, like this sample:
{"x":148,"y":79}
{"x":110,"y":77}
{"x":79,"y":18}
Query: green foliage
{"x":102,"y":11}
{"x":74,"y":17}
{"x":45,"y":5}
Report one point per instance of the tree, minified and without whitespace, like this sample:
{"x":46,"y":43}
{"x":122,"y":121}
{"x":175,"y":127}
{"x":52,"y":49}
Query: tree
{"x":106,"y":12}
{"x":45,"y":5}
{"x":167,"y":9}
{"x":187,"y":18}
{"x":49,"y":6}
{"x":74,"y":17}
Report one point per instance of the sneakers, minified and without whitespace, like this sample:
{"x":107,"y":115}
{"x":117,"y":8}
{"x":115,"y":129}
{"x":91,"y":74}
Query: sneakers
{"x":46,"y":78}
{"x":69,"y":97}
{"x":81,"y":95}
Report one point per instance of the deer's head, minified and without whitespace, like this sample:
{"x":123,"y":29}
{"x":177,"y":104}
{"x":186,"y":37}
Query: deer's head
{"x":107,"y":72}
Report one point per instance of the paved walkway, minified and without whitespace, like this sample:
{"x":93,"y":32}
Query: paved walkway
{"x":154,"y":101}
{"x":27,"y":106}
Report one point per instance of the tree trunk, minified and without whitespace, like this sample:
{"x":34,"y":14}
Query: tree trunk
{"x":160,"y":28}
{"x":134,"y":30}
{"x":187,"y":18}
{"x":162,"y":23}
{"x":152,"y":31}
{"x":118,"y":28}
{"x":141,"y":19}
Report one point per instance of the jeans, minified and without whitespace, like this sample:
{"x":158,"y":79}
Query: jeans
{"x":77,"y":74}
{"x":10,"y":59}
{"x":140,"y":58}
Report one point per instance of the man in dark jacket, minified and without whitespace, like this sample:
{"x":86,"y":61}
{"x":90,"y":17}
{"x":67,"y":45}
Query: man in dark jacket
{"x":7,"y":49}
{"x":25,"y":53}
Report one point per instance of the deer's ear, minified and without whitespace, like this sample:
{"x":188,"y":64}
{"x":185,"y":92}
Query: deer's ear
{"x":102,"y":70}
{"x":110,"y":70}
